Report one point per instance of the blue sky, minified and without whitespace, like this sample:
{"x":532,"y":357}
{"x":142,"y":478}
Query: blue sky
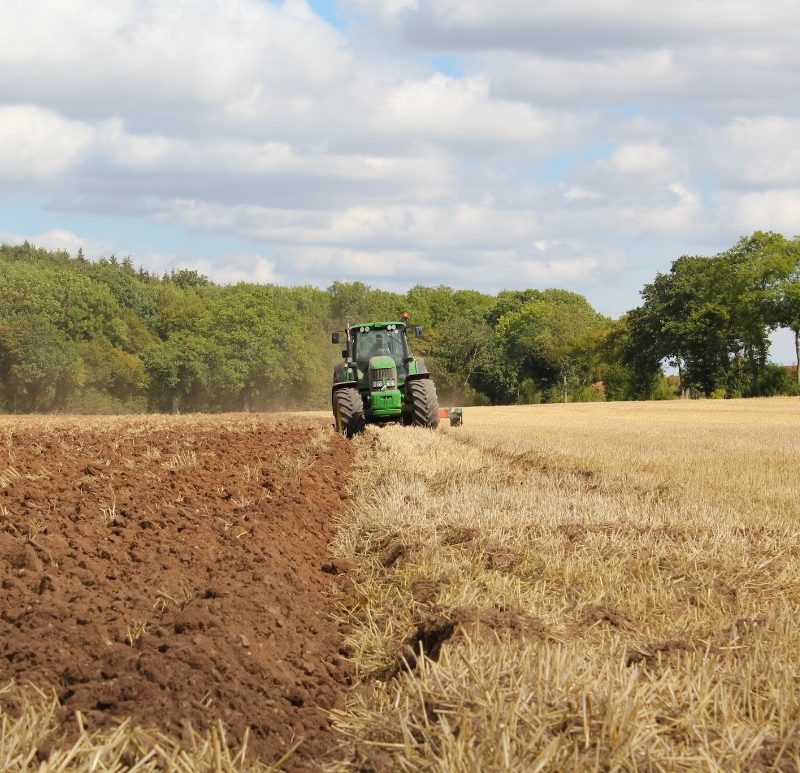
{"x":577,"y":144}
{"x":327,"y":10}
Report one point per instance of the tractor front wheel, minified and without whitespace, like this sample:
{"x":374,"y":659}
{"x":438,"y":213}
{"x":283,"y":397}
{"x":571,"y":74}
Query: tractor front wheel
{"x":348,"y":411}
{"x":424,"y":403}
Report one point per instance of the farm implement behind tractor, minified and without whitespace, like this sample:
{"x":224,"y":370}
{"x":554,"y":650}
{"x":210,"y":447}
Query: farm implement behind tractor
{"x":380,"y":380}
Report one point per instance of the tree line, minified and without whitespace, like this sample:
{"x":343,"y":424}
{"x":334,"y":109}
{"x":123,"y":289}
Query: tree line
{"x":105,"y":337}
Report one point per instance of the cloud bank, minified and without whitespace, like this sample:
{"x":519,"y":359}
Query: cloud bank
{"x":578,"y":143}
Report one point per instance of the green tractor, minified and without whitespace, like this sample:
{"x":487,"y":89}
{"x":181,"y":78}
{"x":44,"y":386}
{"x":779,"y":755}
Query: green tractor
{"x":380,"y":379}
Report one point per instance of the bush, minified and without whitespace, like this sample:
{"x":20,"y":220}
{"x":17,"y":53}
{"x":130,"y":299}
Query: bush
{"x":89,"y":401}
{"x":665,"y":388}
{"x":778,"y":380}
{"x":588,"y":394}
{"x":530,"y":394}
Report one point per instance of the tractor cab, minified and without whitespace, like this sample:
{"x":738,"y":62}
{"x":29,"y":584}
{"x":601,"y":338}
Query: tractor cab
{"x":386,"y":343}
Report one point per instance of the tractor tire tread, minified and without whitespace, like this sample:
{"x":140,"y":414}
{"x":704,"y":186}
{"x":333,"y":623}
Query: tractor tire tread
{"x":350,"y":406}
{"x":424,"y":402}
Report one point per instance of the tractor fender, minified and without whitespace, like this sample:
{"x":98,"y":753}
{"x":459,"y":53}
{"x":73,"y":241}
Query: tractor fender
{"x":417,"y":376}
{"x":341,"y":373}
{"x":422,"y":369}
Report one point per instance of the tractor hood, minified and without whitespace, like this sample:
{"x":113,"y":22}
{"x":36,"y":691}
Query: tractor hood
{"x":381,"y":361}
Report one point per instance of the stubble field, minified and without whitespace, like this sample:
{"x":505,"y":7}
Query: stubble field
{"x":604,"y":586}
{"x":609,"y":586}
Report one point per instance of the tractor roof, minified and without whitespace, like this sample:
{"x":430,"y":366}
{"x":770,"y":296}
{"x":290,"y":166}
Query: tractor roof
{"x":399,"y":323}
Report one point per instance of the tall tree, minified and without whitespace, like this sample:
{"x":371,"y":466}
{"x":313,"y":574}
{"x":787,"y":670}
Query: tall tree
{"x":710,"y":317}
{"x":554,"y":340}
{"x":39,"y":365}
{"x":179,"y":371}
{"x":787,"y":312}
{"x":462,"y":349}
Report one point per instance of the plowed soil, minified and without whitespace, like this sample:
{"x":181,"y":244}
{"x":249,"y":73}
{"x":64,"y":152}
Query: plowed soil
{"x":171,"y":570}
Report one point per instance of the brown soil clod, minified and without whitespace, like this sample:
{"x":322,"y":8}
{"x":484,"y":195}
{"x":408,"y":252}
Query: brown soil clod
{"x":426,"y":641}
{"x":440,"y":627}
{"x":205,"y":601}
{"x":458,"y":535}
{"x":594,"y":614}
{"x":430,"y":636}
{"x":715,"y":642}
{"x":394,"y":553}
{"x":425,"y":591}
{"x":337,"y":566}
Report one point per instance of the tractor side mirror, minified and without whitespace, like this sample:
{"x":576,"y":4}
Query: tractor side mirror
{"x":418,"y":331}
{"x":344,"y":353}
{"x":335,"y":337}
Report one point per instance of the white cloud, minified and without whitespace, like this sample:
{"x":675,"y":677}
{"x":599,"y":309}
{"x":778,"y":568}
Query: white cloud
{"x":646,"y":160}
{"x":390,"y":267}
{"x":461,"y":109}
{"x":39,"y":144}
{"x":60,"y":239}
{"x":233,"y":268}
{"x":588,"y":130}
{"x":250,"y":170}
{"x":640,"y":189}
{"x":201,"y":63}
{"x":581,"y":24}
{"x":577,"y":193}
{"x":672,"y":210}
{"x":487,"y":246}
{"x":706,"y":57}
{"x":550,"y":265}
{"x":770,"y":210}
{"x":687,"y":78}
{"x":762,"y":151}
{"x":680,"y":212}
{"x":379,"y":228}
{"x":616,"y":76}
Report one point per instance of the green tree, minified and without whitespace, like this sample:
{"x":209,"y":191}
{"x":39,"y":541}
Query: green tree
{"x":786,"y":313}
{"x":757,"y":268}
{"x":462,"y":349}
{"x":187,"y":279}
{"x":554,"y":341}
{"x":784,"y":305}
{"x":710,"y":317}
{"x":135,"y":291}
{"x":39,"y":365}
{"x":357,"y":302}
{"x":113,"y":371}
{"x":179,"y":371}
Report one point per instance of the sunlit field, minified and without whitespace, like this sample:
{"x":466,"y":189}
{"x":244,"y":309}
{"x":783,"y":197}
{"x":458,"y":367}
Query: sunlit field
{"x":585,"y":586}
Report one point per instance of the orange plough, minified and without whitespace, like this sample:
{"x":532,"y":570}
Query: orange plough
{"x":456,"y":415}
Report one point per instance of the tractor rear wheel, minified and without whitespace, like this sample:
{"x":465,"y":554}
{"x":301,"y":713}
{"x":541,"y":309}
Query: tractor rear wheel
{"x":424,"y":403}
{"x":348,"y":411}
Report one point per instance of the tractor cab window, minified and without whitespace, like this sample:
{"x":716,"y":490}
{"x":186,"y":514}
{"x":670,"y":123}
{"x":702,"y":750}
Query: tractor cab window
{"x":388,"y":341}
